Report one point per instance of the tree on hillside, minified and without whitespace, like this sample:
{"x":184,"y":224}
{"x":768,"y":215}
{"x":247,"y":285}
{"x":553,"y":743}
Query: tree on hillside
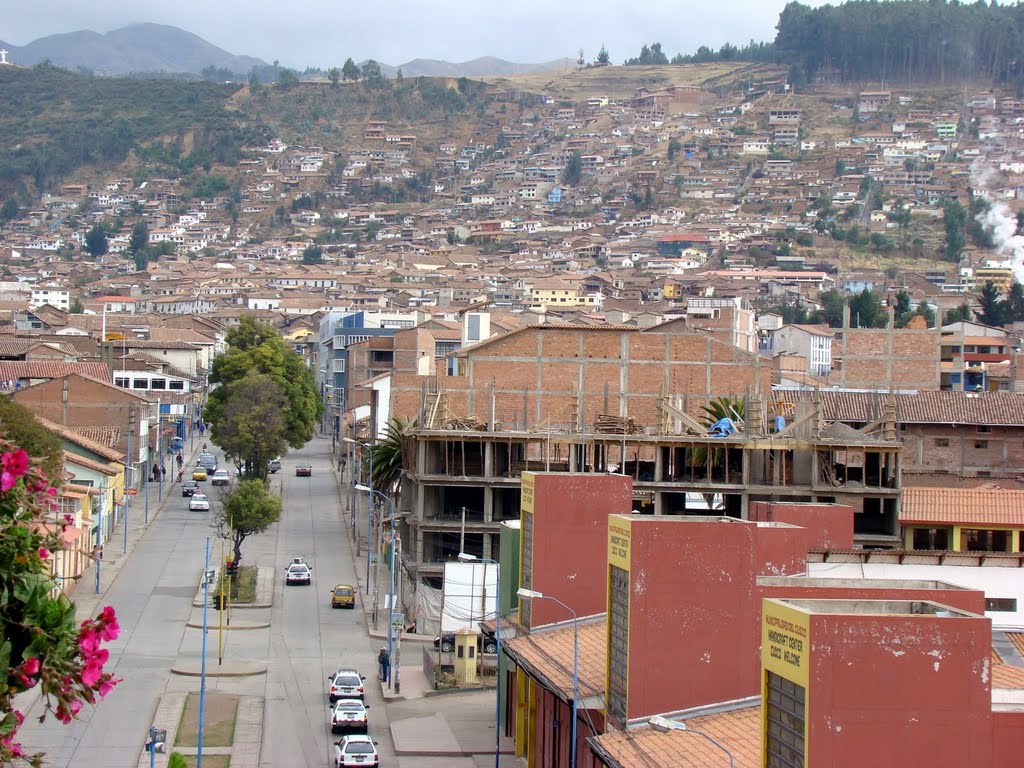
{"x":990,"y":307}
{"x":831,"y":312}
{"x":954,"y":218}
{"x":139,"y":238}
{"x":252,"y":430}
{"x":372,"y":73}
{"x":9,"y":210}
{"x":313,"y":254}
{"x":603,"y":57}
{"x":257,"y":346}
{"x":959,"y":314}
{"x":350,"y":70}
{"x":900,"y":215}
{"x":247,"y":509}
{"x":334,"y":75}
{"x":866,"y":310}
{"x":573,"y":169}
{"x":96,"y":241}
{"x":18,"y":424}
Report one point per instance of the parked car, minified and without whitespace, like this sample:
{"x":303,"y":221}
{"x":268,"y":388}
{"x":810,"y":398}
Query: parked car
{"x":346,"y":684}
{"x":188,"y":487}
{"x":486,"y":643}
{"x":221,"y":477}
{"x":343,"y":596}
{"x":303,"y":470}
{"x":356,"y":750}
{"x":298,"y":572}
{"x":199,"y":474}
{"x":274,"y":465}
{"x":199,"y":502}
{"x":349,"y":715}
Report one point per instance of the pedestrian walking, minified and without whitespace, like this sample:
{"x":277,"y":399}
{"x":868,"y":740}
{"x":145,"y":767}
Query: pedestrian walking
{"x":384,"y":663}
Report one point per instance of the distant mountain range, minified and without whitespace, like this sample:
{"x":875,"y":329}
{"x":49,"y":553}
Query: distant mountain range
{"x":155,"y":48}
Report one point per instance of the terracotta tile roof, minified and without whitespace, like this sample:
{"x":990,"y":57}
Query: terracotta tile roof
{"x":1007,"y":676}
{"x":924,"y":407}
{"x":1017,"y":638}
{"x":71,"y":436}
{"x":965,"y":506}
{"x":548,"y":656}
{"x":106,"y":436}
{"x":13,"y":370}
{"x":738,"y":731}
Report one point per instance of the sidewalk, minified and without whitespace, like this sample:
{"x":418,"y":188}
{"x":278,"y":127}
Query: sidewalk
{"x":454,"y":730}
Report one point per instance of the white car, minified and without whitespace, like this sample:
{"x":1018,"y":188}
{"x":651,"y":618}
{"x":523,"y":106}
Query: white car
{"x":199,"y":502}
{"x":221,"y":477}
{"x":346,"y":684}
{"x":356,"y":750}
{"x":298,"y":573}
{"x":349,"y":715}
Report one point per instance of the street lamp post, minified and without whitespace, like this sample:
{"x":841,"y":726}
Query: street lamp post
{"x":534,"y":595}
{"x":369,"y":503}
{"x":391,"y":569}
{"x":664,"y":725}
{"x":466,"y":558}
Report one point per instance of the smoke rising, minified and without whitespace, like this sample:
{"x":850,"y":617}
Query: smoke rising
{"x":999,"y":221}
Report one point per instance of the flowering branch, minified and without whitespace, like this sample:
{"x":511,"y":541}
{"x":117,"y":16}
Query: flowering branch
{"x":41,"y":642}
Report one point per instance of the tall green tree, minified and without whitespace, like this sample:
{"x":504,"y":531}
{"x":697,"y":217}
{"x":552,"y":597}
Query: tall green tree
{"x":831,"y":312}
{"x":350,"y":70}
{"x":990,"y":306}
{"x":247,"y":509}
{"x":255,"y":346}
{"x":139,"y":238}
{"x":313,"y":254}
{"x":573,"y":169}
{"x":954,"y":218}
{"x":958,"y":314}
{"x":866,"y":310}
{"x":334,"y":75}
{"x":603,"y":57}
{"x":96,"y":243}
{"x":252,"y":430}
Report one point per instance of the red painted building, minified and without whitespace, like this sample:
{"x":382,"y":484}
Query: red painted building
{"x":564,"y":541}
{"x":831,"y":525}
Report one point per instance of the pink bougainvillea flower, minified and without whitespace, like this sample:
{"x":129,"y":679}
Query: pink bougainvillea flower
{"x":30,"y":666}
{"x":51,"y":491}
{"x":88,"y":641}
{"x":91,"y":672}
{"x":106,"y":686}
{"x":110,"y":629}
{"x":7,"y":481}
{"x":16,"y":463}
{"x":44,"y":553}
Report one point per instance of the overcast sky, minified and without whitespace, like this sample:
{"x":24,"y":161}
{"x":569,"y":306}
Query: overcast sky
{"x":323,"y":33}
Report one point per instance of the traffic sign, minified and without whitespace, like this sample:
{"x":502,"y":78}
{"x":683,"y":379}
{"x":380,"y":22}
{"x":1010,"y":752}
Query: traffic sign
{"x":398,"y":621}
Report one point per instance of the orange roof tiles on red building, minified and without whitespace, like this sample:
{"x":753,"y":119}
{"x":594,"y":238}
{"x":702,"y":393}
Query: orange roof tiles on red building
{"x":549,"y":655}
{"x":962,"y":506}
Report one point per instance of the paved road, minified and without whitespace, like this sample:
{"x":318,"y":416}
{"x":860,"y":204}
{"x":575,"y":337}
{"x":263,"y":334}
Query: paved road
{"x":153,"y":594}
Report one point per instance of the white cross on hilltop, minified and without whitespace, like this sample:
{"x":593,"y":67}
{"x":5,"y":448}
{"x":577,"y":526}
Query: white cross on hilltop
{"x":3,"y":56}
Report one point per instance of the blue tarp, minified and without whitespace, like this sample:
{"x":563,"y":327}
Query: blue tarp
{"x":722,"y":428}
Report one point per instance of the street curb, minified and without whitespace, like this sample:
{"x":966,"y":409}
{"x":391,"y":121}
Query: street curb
{"x":238,"y":627}
{"x":451,"y":691}
{"x":242,"y":669}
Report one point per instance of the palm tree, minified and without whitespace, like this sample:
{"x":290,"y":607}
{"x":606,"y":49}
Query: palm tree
{"x":388,"y":457}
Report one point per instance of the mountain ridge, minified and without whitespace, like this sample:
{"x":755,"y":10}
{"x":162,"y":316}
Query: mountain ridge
{"x":159,"y":48}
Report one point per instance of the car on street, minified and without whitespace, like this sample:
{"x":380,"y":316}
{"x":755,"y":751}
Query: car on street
{"x":486,"y":643}
{"x":188,"y":487}
{"x":199,"y":474}
{"x":356,"y":750}
{"x":207,"y":460}
{"x":298,"y":572}
{"x":199,"y":502}
{"x":220,"y":477}
{"x":274,"y":465}
{"x":343,"y":596}
{"x":346,"y":684}
{"x":349,"y":715}
{"x":303,"y":470}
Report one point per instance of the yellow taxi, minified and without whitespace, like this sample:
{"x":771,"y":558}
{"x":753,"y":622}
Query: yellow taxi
{"x":199,"y":473}
{"x":343,"y":596}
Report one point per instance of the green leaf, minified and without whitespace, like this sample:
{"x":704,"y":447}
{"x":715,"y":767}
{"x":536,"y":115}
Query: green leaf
{"x":8,"y":724}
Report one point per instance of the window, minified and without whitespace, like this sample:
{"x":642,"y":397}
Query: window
{"x":122,"y":382}
{"x":158,"y":384}
{"x":140,"y":384}
{"x":178,"y":385}
{"x":785,"y":719}
{"x":981,"y":444}
{"x":941,"y":442}
{"x":984,"y":429}
{"x":1001,"y":604}
{"x":618,"y":640}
